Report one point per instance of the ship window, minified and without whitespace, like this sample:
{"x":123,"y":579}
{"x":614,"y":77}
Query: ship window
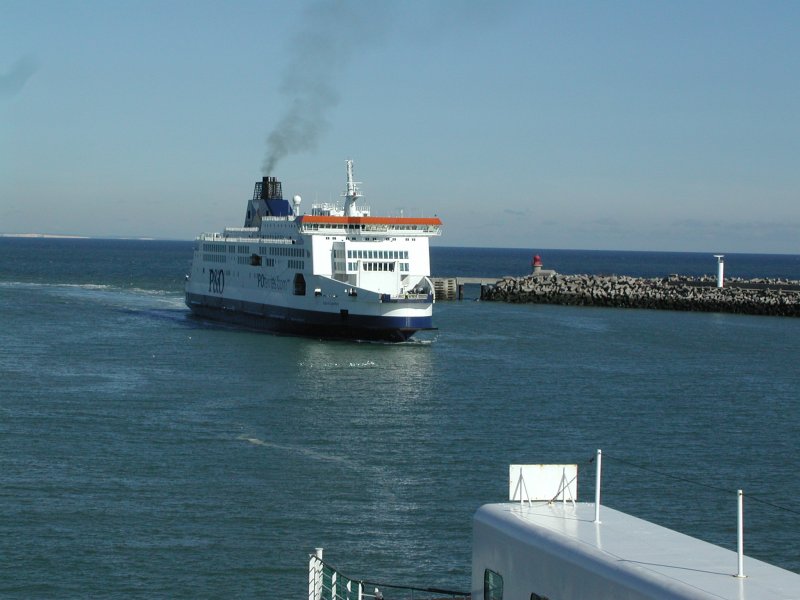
{"x":492,"y":585}
{"x":299,"y":285}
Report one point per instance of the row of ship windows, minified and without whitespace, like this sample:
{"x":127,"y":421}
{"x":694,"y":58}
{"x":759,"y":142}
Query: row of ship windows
{"x":379,"y":254}
{"x":283,"y":251}
{"x":368,"y":227}
{"x":272,"y":250}
{"x":377,"y":266}
{"x":341,"y":227}
{"x":224,"y":248}
{"x":318,"y":226}
{"x":249,"y":260}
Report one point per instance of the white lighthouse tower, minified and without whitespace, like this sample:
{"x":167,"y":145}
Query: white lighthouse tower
{"x":720,"y":269}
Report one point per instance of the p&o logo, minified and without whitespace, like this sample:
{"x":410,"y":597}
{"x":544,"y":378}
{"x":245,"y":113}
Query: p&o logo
{"x":216,"y":280}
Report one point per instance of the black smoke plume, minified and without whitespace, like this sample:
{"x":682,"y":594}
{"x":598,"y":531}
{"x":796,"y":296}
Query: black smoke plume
{"x":331,"y":31}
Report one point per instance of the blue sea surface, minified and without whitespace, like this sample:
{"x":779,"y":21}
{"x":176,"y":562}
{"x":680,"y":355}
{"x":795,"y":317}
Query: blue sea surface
{"x":144,"y":453}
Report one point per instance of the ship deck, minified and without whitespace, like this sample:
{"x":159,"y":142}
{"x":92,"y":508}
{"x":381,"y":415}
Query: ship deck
{"x":627,"y":548}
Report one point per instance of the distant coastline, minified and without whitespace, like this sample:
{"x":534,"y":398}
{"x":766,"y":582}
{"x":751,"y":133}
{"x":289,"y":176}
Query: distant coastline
{"x":45,"y":235}
{"x":60,"y":236}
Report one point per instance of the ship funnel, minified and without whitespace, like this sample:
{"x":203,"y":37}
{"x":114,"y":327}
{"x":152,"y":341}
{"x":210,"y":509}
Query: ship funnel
{"x":269,"y":189}
{"x":267,"y":201}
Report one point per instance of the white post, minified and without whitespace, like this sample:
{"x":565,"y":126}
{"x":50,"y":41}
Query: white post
{"x":315,"y":575}
{"x":597,"y":487}
{"x":720,"y":269}
{"x":740,"y":533}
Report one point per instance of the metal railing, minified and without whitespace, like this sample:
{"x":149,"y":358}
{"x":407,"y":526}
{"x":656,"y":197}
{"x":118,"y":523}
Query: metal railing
{"x":327,"y":583}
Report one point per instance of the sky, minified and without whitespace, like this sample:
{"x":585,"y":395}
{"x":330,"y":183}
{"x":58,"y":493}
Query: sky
{"x":642,"y":125}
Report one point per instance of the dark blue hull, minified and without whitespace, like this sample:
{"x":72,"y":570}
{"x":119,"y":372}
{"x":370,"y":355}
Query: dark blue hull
{"x":317,"y":324}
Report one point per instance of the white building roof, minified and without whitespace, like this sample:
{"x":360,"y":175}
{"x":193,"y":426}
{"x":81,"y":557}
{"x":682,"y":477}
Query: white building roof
{"x":623,"y":547}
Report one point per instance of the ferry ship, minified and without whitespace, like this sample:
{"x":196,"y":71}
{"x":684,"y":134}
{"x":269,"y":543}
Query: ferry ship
{"x":337,"y":272}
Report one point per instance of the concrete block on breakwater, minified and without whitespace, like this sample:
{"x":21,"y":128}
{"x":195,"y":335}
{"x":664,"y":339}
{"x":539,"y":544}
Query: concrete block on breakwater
{"x":776,"y":297}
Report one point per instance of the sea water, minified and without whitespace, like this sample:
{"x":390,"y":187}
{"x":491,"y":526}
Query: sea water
{"x":144,"y":453}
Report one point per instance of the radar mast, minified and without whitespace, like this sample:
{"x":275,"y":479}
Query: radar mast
{"x":352,"y":194}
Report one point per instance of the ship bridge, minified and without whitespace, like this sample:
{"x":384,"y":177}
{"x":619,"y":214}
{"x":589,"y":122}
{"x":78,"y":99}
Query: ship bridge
{"x":399,"y":226}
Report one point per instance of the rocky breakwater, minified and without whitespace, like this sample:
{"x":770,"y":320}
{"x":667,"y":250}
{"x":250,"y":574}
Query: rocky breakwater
{"x":776,"y":297}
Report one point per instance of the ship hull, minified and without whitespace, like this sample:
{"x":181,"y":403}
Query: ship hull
{"x":310,"y":323}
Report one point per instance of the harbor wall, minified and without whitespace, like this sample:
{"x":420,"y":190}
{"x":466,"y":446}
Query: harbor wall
{"x":776,"y":297}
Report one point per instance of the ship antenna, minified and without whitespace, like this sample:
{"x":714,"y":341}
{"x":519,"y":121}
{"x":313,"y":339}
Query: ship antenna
{"x":352,"y":194}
